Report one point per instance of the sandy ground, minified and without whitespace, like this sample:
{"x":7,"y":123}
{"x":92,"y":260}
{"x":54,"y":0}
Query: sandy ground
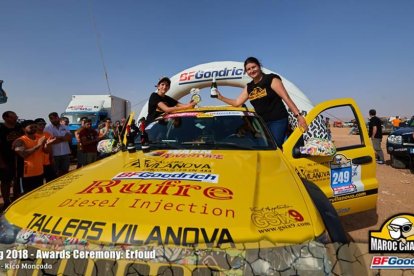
{"x":396,"y":195}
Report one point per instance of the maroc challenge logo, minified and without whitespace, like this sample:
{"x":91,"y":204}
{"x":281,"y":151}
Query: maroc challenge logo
{"x":395,"y":236}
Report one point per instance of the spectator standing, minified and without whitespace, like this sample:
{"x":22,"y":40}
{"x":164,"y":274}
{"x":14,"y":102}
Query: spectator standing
{"x":107,"y":132}
{"x":89,"y":140}
{"x":64,"y":121}
{"x":10,"y":164}
{"x":121,"y":125}
{"x":48,"y":169}
{"x":396,"y":122}
{"x":80,"y":156}
{"x":31,"y":147}
{"x":375,"y":133}
{"x":60,"y":145}
{"x":116,"y":129}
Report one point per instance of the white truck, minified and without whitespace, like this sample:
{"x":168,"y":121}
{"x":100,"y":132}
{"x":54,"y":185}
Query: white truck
{"x":97,"y":108}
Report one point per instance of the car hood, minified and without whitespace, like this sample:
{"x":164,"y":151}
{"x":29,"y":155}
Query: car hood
{"x":174,"y":197}
{"x":403,"y":130}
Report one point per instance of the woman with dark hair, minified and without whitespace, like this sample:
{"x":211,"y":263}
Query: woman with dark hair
{"x":159,"y":102}
{"x":267,"y":93}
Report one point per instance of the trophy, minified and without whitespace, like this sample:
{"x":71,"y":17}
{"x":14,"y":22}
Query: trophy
{"x":195,"y":96}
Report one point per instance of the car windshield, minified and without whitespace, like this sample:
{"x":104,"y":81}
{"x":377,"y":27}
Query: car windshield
{"x":210,"y":130}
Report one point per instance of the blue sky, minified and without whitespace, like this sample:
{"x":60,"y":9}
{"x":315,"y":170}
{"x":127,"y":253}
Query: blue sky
{"x":329,"y":49}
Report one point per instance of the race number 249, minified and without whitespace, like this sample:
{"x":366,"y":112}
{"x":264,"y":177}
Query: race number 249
{"x":341,"y":176}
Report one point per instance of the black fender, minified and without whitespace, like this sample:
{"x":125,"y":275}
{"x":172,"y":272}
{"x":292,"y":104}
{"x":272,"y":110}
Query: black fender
{"x":328,"y":213}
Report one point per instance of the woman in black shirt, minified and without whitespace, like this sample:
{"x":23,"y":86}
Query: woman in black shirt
{"x":267,"y":93}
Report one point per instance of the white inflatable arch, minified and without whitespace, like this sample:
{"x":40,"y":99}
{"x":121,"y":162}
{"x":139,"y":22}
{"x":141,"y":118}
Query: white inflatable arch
{"x":228,"y":73}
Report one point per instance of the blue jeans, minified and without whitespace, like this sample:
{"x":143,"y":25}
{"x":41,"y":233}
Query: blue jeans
{"x":278,"y":129}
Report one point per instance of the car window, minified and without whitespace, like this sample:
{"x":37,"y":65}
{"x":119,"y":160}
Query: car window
{"x":338,"y":125}
{"x":214,"y":130}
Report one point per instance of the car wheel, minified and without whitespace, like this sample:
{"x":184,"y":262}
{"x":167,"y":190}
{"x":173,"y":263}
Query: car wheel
{"x":397,"y":163}
{"x":328,"y":213}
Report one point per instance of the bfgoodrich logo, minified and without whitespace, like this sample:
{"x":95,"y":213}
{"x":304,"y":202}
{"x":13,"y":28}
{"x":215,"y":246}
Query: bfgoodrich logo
{"x":200,"y":177}
{"x":395,"y":236}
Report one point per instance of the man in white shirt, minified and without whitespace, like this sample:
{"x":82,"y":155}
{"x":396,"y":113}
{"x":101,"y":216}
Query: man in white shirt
{"x":60,"y":147}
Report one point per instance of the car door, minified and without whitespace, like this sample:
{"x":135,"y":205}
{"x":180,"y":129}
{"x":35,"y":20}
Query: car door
{"x":336,"y":159}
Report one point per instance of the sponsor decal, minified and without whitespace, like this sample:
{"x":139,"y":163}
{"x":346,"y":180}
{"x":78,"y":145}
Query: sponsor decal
{"x":204,"y":115}
{"x":207,"y":75}
{"x":391,"y":262}
{"x":168,"y":187}
{"x":395,"y":236}
{"x":271,"y":219}
{"x":131,"y":234}
{"x":314,"y":174}
{"x":167,"y":165}
{"x":226,"y":113}
{"x":353,"y":196}
{"x":185,"y":154}
{"x":341,"y":175}
{"x":401,"y":149}
{"x":82,"y":108}
{"x":189,"y":207}
{"x":184,"y":114}
{"x":199,"y":177}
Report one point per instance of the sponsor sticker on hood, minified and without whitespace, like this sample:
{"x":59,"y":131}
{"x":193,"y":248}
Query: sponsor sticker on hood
{"x":200,"y":177}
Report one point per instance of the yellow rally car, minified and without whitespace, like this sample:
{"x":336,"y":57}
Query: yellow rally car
{"x":208,"y":193}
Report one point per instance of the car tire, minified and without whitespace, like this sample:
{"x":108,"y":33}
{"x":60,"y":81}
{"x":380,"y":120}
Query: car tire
{"x":328,"y":213}
{"x":397,"y":163}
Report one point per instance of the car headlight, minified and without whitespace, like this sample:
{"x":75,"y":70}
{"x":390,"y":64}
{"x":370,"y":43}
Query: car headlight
{"x":8,"y":232}
{"x":395,"y":139}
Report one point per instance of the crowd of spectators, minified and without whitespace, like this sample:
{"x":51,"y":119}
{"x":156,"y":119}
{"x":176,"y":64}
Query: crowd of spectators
{"x":33,"y":152}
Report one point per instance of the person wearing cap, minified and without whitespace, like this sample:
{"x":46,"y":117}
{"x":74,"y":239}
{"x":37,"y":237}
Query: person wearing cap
{"x":30,"y":147}
{"x":48,"y":170}
{"x":160,"y":103}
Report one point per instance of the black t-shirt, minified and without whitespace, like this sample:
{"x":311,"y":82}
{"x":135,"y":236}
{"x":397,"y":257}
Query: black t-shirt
{"x":14,"y":162}
{"x":7,"y":137}
{"x":267,"y":103}
{"x":375,"y":121}
{"x":153,"y":110}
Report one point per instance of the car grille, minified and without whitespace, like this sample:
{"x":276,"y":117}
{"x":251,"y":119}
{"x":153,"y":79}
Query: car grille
{"x":408,"y":139}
